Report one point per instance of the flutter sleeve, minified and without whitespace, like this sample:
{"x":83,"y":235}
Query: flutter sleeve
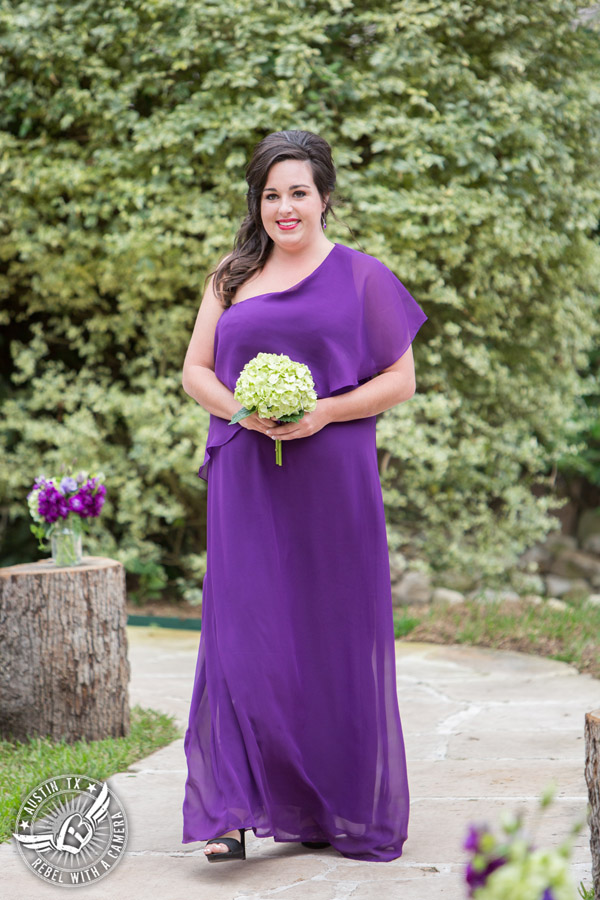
{"x":391,"y":318}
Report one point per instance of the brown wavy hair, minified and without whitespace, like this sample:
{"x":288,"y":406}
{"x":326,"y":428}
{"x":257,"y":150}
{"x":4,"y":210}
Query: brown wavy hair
{"x":252,"y":244}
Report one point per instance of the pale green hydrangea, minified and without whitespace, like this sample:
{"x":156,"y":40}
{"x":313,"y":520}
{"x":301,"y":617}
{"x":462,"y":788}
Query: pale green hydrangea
{"x":274,"y":386}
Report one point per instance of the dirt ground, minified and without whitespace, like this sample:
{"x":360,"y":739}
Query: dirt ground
{"x":169,"y":610}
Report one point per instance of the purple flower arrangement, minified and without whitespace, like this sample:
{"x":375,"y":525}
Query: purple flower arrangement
{"x":487,"y":857}
{"x":68,"y":505}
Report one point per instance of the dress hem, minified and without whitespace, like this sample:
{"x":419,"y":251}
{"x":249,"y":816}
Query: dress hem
{"x":362,"y":857}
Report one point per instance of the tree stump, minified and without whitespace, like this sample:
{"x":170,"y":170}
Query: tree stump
{"x":592,"y":777}
{"x":64,"y":670}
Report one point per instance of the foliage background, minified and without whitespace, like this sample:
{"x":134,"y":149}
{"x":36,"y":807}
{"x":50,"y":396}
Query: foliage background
{"x":466,"y":138}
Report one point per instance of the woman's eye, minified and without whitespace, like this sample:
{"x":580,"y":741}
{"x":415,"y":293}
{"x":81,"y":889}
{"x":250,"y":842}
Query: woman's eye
{"x":296,"y":194}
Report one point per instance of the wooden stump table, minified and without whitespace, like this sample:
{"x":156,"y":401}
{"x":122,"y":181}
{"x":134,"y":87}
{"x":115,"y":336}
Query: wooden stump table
{"x":592,"y":777}
{"x":64,"y":670}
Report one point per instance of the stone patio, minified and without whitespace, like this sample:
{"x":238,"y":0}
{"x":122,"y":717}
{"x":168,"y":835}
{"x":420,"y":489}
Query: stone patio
{"x":485,"y":731}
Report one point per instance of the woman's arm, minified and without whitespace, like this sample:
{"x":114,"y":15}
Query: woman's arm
{"x":391,"y":386}
{"x":204,"y":387}
{"x":198,"y":377}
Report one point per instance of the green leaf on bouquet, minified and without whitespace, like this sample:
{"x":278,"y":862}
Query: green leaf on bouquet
{"x":241,"y":414}
{"x":295,"y":417}
{"x":39,"y":532}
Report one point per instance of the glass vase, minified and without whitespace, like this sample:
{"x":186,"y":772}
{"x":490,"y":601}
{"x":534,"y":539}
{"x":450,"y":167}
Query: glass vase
{"x":66,"y":546}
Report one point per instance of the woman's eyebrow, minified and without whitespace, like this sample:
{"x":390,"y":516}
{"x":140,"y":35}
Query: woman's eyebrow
{"x":292,"y":187}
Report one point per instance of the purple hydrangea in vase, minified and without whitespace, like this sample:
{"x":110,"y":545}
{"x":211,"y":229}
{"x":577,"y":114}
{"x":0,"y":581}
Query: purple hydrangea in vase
{"x":61,"y":509}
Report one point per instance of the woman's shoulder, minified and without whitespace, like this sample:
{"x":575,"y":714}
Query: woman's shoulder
{"x":364,"y":262}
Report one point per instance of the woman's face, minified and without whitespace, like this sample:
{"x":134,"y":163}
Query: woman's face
{"x":291,"y":205}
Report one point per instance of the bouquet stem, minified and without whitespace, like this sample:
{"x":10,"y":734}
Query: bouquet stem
{"x":278,"y":461}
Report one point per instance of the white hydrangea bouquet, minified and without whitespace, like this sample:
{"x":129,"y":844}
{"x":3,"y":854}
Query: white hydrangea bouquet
{"x":274,"y":386}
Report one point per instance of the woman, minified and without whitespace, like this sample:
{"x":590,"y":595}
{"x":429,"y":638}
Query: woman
{"x":294,"y":727}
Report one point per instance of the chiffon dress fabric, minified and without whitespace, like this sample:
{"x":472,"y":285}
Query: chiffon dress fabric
{"x":294,"y":726}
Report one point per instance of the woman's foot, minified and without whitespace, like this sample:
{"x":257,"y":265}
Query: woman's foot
{"x":223,"y":848}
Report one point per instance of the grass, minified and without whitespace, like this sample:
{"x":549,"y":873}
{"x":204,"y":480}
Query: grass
{"x":23,"y":765}
{"x":404,"y":624}
{"x":571,"y":636}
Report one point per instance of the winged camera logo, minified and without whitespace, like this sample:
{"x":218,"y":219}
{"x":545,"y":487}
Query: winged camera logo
{"x":71,"y":830}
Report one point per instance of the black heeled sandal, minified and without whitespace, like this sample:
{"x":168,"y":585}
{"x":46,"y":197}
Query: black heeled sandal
{"x":316,"y":845}
{"x":237,"y":849}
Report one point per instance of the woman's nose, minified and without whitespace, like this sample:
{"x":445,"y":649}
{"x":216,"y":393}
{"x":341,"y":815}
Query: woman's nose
{"x":285,"y":205}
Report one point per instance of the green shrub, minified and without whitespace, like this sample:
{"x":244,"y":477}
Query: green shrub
{"x":466,"y":140}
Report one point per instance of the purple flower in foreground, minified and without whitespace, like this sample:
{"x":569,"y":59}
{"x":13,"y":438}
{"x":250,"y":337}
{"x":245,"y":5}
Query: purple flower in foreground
{"x":476,"y":879}
{"x":548,"y":895}
{"x":473,"y":838}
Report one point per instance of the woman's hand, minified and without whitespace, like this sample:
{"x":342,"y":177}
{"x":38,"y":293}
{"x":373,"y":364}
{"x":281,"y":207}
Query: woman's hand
{"x":310,"y":423}
{"x":254,"y":422}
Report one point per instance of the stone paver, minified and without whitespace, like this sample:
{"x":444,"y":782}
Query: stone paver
{"x":485,"y":732}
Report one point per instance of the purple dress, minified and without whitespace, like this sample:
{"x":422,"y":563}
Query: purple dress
{"x":294,"y":728}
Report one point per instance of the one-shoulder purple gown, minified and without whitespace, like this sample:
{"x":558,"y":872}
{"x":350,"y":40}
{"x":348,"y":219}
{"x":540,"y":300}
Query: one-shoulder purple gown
{"x":294,"y":728}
